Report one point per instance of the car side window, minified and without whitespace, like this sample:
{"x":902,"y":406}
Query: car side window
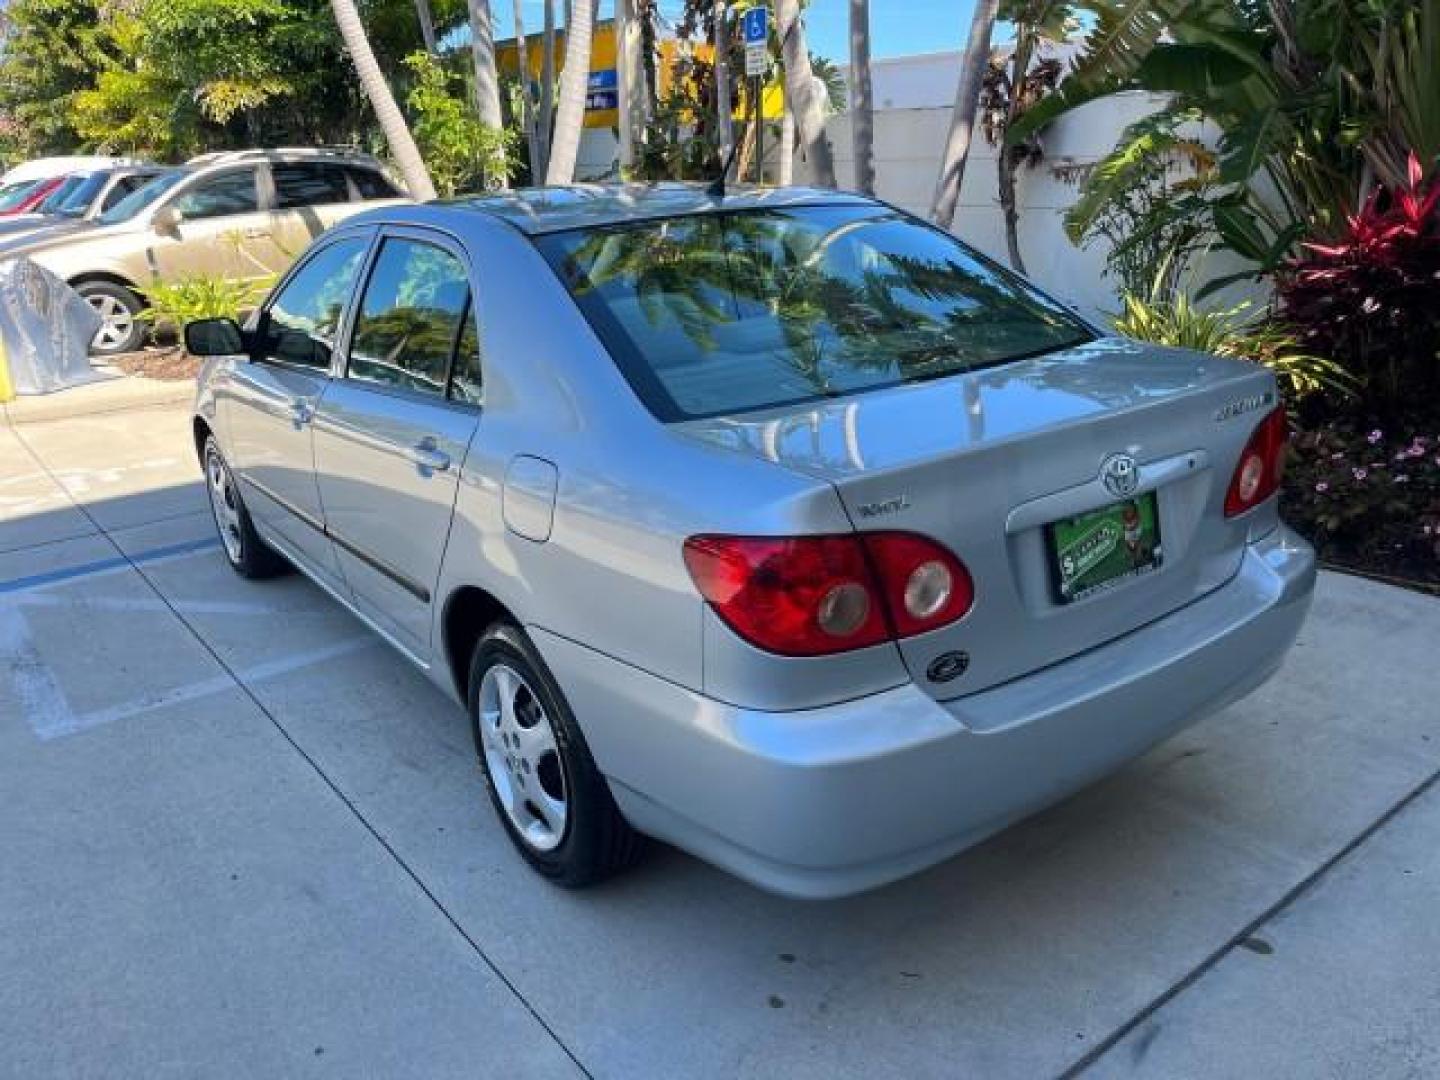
{"x":465,"y":382}
{"x":308,"y":183}
{"x":228,"y":193}
{"x":300,"y":324}
{"x":410,"y":316}
{"x":122,"y":187}
{"x":371,"y":184}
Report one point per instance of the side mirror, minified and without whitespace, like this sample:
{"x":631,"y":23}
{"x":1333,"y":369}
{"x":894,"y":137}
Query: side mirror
{"x":166,"y":220}
{"x":214,"y":337}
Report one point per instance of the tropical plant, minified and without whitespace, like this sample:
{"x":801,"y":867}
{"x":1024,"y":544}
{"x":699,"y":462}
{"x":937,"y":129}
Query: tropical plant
{"x":175,"y":303}
{"x":1369,"y":298}
{"x":962,"y":119}
{"x":1139,"y":204}
{"x":1313,"y":99}
{"x":574,"y":82}
{"x":1168,"y":316}
{"x":461,"y":151}
{"x":1012,"y":86}
{"x":377,"y":90}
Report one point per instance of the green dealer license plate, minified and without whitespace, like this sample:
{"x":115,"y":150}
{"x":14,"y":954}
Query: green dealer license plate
{"x":1099,"y":550}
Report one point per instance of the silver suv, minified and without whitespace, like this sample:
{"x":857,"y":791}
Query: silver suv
{"x":240,"y":215}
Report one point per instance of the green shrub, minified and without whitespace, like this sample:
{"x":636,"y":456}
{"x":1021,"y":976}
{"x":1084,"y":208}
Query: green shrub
{"x":176,"y":303}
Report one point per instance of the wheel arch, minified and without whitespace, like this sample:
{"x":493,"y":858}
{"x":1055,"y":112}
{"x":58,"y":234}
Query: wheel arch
{"x":108,"y":278}
{"x":469,"y":611}
{"x":201,"y":430}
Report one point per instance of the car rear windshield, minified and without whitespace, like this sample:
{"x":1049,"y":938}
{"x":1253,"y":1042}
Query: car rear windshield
{"x":720,"y":313}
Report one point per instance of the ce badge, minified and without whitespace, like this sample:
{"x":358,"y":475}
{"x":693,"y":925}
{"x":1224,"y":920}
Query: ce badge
{"x":1120,"y":475}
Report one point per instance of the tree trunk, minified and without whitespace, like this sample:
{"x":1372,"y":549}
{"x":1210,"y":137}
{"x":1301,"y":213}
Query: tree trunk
{"x":482,"y":50}
{"x":527,"y":88}
{"x":547,"y":90}
{"x":630,"y":79}
{"x":800,"y":91}
{"x":862,"y":108}
{"x":724,"y":105}
{"x":377,"y":90}
{"x":962,"y":119}
{"x":1006,"y":164}
{"x":787,"y":144}
{"x":574,"y":83}
{"x":427,"y":24}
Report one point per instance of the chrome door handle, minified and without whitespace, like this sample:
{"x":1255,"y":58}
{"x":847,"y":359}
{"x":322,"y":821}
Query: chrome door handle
{"x":256,"y":234}
{"x":428,"y":457}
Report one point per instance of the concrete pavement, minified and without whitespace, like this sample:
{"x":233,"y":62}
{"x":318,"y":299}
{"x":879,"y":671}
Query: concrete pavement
{"x":245,"y":838}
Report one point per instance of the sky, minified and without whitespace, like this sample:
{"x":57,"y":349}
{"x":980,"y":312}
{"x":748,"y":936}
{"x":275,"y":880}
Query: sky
{"x":897,"y":27}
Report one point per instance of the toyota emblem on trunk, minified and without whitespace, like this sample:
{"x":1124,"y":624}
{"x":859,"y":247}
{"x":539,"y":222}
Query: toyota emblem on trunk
{"x":1120,"y":475}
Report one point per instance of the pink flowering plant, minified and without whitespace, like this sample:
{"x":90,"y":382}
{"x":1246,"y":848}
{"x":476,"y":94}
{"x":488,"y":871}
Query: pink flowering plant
{"x":1368,"y":498}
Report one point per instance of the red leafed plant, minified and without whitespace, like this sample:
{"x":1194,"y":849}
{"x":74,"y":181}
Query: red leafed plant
{"x":1370,"y":300}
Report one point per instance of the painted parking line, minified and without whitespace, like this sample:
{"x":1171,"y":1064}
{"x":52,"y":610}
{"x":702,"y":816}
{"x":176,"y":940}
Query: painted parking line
{"x":108,"y":565}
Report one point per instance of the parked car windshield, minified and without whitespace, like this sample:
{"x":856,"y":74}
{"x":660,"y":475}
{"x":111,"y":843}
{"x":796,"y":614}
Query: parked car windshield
{"x":141,"y":197}
{"x":13,"y":195}
{"x":719,"y":313}
{"x":72,"y":198}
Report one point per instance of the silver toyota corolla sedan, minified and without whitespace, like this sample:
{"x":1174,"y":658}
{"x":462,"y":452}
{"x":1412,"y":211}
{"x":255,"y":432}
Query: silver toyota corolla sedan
{"x":778,"y":525}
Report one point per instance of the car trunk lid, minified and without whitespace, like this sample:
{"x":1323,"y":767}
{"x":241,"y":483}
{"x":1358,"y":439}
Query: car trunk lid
{"x":988,"y":461}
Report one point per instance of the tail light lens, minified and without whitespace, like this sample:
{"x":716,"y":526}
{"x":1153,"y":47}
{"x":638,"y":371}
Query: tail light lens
{"x":816,"y":595}
{"x":1261,"y":466}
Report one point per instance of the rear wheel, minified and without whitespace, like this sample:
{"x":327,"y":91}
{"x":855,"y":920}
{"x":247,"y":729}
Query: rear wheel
{"x":552,"y":800}
{"x":121,"y":328}
{"x":247,"y":554}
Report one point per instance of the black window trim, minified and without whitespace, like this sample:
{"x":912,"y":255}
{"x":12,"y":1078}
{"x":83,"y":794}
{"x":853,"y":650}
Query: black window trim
{"x":341,"y":362}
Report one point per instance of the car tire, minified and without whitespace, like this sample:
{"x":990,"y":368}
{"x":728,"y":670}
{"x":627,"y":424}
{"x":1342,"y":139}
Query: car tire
{"x":122,"y":329}
{"x":534,"y":757}
{"x":247,"y":554}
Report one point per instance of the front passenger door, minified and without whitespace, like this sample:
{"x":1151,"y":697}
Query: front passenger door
{"x":276,"y":394}
{"x":391,"y":435}
{"x":221,"y":232}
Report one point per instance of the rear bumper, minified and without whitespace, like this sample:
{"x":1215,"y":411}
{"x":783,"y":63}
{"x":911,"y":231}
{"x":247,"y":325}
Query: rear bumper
{"x":829,"y":801}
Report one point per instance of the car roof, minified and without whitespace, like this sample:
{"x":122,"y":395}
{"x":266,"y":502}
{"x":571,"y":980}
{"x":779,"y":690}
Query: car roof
{"x":536,"y":211}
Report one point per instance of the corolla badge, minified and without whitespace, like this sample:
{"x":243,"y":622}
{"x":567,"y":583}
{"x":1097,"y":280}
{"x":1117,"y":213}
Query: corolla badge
{"x":1120,"y":474}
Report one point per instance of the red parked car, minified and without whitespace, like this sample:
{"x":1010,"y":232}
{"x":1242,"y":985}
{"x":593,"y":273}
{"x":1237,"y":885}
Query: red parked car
{"x":24,"y":197}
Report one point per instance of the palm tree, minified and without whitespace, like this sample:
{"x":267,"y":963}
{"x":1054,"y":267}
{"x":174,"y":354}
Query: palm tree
{"x":801,"y":90}
{"x":862,"y":109}
{"x":962,"y":120}
{"x":547,"y":90}
{"x":724,"y":106}
{"x":377,"y":90}
{"x":427,"y":24}
{"x":482,"y":48}
{"x":574,"y":82}
{"x":522,"y":59}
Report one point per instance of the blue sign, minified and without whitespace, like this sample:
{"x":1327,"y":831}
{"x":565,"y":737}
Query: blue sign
{"x":755,"y":23}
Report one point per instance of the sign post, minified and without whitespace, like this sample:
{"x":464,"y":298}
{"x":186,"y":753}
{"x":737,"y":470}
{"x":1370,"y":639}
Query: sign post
{"x":755,"y":22}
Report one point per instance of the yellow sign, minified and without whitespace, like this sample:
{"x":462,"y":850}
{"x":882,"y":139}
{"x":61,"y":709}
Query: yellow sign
{"x":7,"y":388}
{"x":602,"y":99}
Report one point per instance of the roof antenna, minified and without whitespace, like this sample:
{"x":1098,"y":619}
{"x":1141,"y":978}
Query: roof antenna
{"x":717,"y":186}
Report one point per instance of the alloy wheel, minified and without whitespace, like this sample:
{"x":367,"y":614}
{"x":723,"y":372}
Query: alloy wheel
{"x":117,"y":322}
{"x":224,"y":503}
{"x":522,"y":758}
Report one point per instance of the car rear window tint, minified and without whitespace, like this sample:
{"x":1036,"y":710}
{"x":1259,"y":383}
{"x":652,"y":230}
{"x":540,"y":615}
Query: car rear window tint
{"x":371,"y":184}
{"x":711,"y":314}
{"x":410,"y":317}
{"x":309,"y":183}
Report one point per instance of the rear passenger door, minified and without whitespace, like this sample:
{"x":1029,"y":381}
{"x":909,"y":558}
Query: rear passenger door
{"x":392,"y":432}
{"x":307,"y":198}
{"x":222,"y":231}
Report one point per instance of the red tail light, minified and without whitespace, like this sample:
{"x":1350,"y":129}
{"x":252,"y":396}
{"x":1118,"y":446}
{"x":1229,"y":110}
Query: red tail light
{"x":1261,"y":465}
{"x":816,"y":595}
